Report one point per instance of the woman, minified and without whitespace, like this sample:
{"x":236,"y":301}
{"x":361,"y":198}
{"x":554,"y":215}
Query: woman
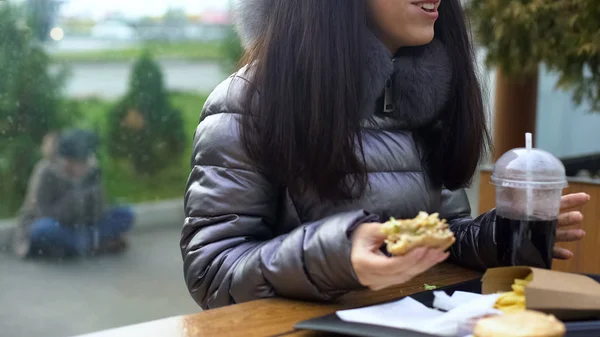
{"x":350,"y":111}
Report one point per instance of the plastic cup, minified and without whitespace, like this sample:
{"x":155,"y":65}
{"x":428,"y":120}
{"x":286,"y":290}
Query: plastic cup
{"x":529,"y":185}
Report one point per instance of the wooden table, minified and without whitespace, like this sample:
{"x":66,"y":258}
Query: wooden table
{"x":277,"y":317}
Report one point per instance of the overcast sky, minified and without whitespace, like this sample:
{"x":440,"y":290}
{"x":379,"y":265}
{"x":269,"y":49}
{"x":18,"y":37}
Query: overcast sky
{"x":137,"y":8}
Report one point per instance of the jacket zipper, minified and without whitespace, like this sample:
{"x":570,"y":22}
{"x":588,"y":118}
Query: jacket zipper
{"x":388,"y":100}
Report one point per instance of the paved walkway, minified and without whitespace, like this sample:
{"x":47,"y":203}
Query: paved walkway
{"x":61,"y":299}
{"x":110,"y":80}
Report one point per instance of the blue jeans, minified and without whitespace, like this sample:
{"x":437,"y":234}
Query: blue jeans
{"x":48,"y":235}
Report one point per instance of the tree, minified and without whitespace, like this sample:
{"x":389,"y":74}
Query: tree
{"x":144,"y":127}
{"x":175,"y":17}
{"x":231,"y":47}
{"x":232,"y":50}
{"x":563,"y":35}
{"x":519,"y":35}
{"x":577,"y":53}
{"x":41,"y":17}
{"x":31,"y":104}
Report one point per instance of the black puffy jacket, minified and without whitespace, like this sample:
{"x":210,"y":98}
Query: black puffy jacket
{"x":246,"y":239}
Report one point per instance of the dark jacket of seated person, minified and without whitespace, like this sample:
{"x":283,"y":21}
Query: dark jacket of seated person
{"x":64,"y":212}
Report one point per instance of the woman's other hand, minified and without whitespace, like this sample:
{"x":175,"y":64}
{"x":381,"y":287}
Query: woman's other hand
{"x":568,"y":219}
{"x":376,"y":270}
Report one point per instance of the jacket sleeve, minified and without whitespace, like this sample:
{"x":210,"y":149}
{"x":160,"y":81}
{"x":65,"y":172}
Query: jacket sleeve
{"x":474,"y":247}
{"x":229,"y":243}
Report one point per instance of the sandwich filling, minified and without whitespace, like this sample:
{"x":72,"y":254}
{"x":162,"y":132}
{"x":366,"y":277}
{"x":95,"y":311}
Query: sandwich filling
{"x":423,"y":231}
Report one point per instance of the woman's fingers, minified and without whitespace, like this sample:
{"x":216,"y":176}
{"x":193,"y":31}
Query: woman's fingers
{"x":369,"y":235}
{"x":431,"y":258}
{"x":570,"y":201}
{"x":403,"y":268}
{"x":570,"y":219}
{"x":382,"y":266}
{"x":569,"y":235}
{"x":370,"y":266}
{"x":376,"y":270}
{"x":562,"y":253}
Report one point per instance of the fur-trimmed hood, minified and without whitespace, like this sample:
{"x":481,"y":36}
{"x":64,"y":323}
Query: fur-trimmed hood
{"x":420,"y":76}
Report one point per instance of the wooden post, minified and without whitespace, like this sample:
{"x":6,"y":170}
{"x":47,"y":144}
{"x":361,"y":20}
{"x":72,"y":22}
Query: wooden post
{"x":515,"y":111}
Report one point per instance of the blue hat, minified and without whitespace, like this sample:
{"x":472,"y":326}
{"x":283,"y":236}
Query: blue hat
{"x":77,"y":144}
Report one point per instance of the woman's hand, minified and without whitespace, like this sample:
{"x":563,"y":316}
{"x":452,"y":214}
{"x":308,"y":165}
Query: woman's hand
{"x":569,"y":218}
{"x":377,"y":271}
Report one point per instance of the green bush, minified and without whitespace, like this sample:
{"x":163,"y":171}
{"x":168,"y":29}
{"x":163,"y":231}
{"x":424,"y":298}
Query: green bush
{"x":144,"y":127}
{"x":123,"y":184}
{"x":31,"y":104}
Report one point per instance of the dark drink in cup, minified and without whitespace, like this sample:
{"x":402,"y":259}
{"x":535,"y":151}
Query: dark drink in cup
{"x":525,"y":242}
{"x":529,"y":184}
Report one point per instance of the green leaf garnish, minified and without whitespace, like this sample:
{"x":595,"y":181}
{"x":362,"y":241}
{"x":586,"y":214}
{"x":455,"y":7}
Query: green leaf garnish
{"x":430,"y":287}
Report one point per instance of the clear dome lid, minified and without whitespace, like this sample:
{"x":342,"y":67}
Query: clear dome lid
{"x":529,"y":168}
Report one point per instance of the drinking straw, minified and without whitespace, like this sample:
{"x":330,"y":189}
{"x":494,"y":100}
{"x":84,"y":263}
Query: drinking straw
{"x":528,"y":173}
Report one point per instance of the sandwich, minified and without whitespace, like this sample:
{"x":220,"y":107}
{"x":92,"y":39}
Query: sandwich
{"x":526,"y":323}
{"x":423,"y":231}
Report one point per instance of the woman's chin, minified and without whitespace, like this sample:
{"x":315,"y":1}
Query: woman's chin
{"x":419,"y":38}
{"x":423,"y":39}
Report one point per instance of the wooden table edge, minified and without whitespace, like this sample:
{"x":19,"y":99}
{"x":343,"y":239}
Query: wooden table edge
{"x":278,"y":316}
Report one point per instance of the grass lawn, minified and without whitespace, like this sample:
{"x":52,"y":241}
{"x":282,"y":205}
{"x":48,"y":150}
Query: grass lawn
{"x":188,"y":51}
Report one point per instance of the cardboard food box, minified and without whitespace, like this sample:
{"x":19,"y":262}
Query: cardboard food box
{"x":567,"y":296}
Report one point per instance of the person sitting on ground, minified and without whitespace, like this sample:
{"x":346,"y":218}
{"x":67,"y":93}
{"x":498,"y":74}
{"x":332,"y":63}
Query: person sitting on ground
{"x":64,"y":213}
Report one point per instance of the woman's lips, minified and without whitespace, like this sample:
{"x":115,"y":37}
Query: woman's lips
{"x":428,"y":7}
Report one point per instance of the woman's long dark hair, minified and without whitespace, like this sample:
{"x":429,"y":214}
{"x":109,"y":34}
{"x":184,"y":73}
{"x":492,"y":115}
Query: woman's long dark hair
{"x":457,"y":147}
{"x":303,"y":129}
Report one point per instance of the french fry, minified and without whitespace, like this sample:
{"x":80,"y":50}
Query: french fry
{"x":518,"y":289}
{"x":514,"y":301}
{"x":510,"y":299}
{"x":521,"y":282}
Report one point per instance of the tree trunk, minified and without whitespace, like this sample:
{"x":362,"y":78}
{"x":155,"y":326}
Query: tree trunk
{"x":515,"y":111}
